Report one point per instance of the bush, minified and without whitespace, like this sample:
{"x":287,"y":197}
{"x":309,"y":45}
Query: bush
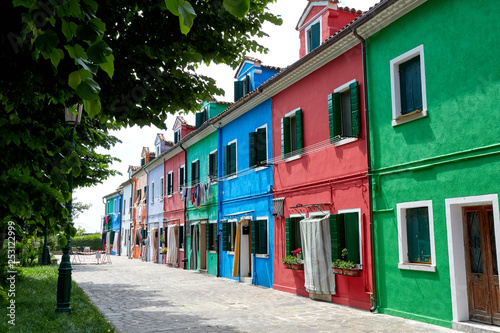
{"x":93,"y":241}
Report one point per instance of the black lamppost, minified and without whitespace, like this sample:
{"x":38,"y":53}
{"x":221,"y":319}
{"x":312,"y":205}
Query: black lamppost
{"x":64,"y":278}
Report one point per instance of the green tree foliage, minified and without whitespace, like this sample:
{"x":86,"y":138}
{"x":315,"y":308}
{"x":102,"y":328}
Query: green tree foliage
{"x":129,"y":62}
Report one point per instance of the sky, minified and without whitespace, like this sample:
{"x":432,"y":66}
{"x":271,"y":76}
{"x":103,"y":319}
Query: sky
{"x":283,"y":45}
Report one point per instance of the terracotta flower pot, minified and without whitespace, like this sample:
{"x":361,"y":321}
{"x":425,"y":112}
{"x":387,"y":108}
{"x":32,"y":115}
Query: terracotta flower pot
{"x":347,"y":272}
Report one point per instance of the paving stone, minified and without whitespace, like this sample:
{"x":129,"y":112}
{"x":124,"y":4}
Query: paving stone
{"x":139,"y":296}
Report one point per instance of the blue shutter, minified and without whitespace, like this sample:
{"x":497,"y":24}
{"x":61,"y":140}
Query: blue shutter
{"x":410,"y":85}
{"x":315,"y":38}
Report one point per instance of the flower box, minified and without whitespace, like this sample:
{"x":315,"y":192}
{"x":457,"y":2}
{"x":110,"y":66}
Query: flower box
{"x":298,"y":267}
{"x":348,"y":272}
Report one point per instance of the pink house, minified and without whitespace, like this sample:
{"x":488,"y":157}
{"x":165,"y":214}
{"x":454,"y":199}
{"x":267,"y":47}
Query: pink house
{"x":320,"y":156}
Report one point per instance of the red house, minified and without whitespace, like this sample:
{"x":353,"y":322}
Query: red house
{"x":175,"y":178}
{"x":320,"y":162}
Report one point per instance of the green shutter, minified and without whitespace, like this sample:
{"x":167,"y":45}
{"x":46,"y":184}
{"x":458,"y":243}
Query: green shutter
{"x":330,"y":116}
{"x":226,"y":242}
{"x":232,"y":148}
{"x":314,"y":37}
{"x":337,"y":115}
{"x":285,"y":136}
{"x":355,"y":112}
{"x":112,"y":237}
{"x":262,"y":249}
{"x":252,"y":158}
{"x":225,"y":159}
{"x":418,"y":236}
{"x":337,"y":235}
{"x":299,"y":127}
{"x":238,"y":90}
{"x":260,"y":146}
{"x":290,"y":235}
{"x":254,"y":237}
{"x":199,"y":119}
{"x":352,"y":236}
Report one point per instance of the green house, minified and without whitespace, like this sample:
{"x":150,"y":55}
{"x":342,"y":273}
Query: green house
{"x":434,"y":92}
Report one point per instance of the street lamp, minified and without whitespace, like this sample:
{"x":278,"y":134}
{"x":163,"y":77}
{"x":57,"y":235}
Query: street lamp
{"x":64,"y":278}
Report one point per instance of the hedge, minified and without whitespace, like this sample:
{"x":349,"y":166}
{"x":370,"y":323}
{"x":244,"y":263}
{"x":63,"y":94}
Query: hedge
{"x":93,"y":241}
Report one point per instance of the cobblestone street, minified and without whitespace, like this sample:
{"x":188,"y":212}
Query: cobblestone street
{"x":137,"y":296}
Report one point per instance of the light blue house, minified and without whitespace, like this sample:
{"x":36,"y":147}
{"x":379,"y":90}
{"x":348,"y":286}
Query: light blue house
{"x":155,"y":199}
{"x":245,"y":190}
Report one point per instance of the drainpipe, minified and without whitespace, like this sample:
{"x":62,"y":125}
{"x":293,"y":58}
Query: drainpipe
{"x":121,"y":220}
{"x":185,"y":206}
{"x":219,"y":198}
{"x":368,"y":159}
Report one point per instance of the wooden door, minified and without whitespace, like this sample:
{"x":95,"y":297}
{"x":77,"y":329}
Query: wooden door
{"x":481,"y":265}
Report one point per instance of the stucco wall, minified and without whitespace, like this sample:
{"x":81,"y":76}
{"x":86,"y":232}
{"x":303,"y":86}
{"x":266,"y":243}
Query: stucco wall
{"x":462,"y":88}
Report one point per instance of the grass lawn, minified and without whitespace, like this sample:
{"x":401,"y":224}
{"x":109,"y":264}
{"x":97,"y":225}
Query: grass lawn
{"x":36,"y":290}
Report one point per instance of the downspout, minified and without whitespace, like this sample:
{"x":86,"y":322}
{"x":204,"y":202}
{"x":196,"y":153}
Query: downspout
{"x":185,"y":206}
{"x":369,"y":169}
{"x":219,"y":199}
{"x":121,"y":220}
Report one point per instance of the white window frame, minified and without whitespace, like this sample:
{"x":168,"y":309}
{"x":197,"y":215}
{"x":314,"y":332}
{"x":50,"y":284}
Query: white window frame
{"x":208,"y":169}
{"x":403,"y":242}
{"x":306,"y":31}
{"x":262,"y":218}
{"x":152,"y":199}
{"x":356,"y":210}
{"x":267,"y":150}
{"x":158,"y":149}
{"x":178,"y":131}
{"x":396,"y":88}
{"x":231,"y":231}
{"x":342,"y":89}
{"x":199,"y":171}
{"x":171,"y":172}
{"x":162,"y":188}
{"x":183,"y":167}
{"x":235,"y":175}
{"x":289,"y":115}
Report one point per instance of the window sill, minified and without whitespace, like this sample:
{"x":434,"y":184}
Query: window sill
{"x":260,"y":168}
{"x":232,"y":177}
{"x":213,"y":252}
{"x":293,"y":158}
{"x":417,"y":267}
{"x":264,"y":256}
{"x":409,"y":117}
{"x":344,"y":141}
{"x":230,"y":253}
{"x":169,"y":196}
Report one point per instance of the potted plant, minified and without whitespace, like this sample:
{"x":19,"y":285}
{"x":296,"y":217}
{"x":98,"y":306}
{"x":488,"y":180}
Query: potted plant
{"x":164,"y":255}
{"x":344,"y":266}
{"x":294,"y":260}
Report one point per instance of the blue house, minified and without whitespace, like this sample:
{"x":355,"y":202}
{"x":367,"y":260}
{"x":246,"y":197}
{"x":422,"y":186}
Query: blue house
{"x":113,"y":221}
{"x":245,"y":191}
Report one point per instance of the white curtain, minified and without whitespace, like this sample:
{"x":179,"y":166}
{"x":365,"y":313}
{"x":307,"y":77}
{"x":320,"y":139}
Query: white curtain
{"x":173,"y":248}
{"x":317,"y":254}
